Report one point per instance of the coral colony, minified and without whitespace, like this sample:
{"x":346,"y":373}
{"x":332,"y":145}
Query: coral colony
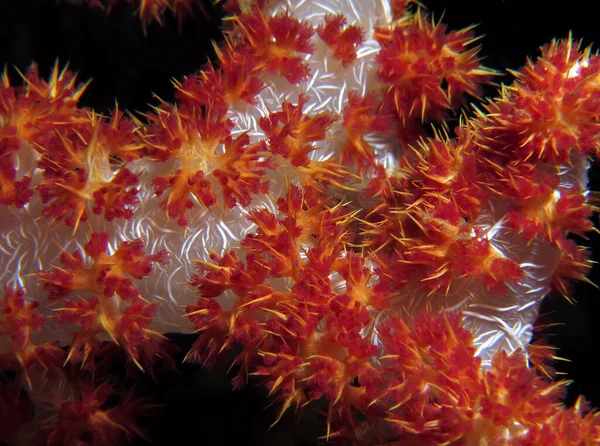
{"x":294,"y":209}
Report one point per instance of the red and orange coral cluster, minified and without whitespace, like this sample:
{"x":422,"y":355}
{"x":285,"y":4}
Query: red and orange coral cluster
{"x":82,"y":155}
{"x":338,"y":291}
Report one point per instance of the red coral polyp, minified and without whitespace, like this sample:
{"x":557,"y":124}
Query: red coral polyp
{"x":87,"y":420}
{"x":279,"y":44}
{"x":550,"y":112}
{"x":552,"y":214}
{"x":361,"y":116}
{"x":182,"y":185}
{"x":242,"y":173}
{"x":341,"y":39}
{"x":291,"y":133}
{"x":35,"y":109}
{"x":13,"y":190}
{"x":19,"y":318}
{"x":235,"y":79}
{"x":109,"y":274}
{"x":418,"y":57}
{"x":80,"y":171}
{"x":64,"y":198}
{"x":118,"y":198}
{"x":200,"y":139}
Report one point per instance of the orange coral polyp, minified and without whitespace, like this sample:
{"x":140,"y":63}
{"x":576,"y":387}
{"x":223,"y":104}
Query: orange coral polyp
{"x":360,"y":283}
{"x":291,"y":133}
{"x":19,"y":319}
{"x":13,"y":190}
{"x":31,"y":114}
{"x":416,"y":56}
{"x":560,"y":210}
{"x":343,"y":40}
{"x":279,"y":44}
{"x":200,"y":139}
{"x":360,"y":116}
{"x":548,"y":114}
{"x":242,"y":172}
{"x":237,"y":78}
{"x":80,"y":171}
{"x":107,"y":275}
{"x":40,"y":105}
{"x":102,"y":313}
{"x":238,"y":75}
{"x":183,"y":184}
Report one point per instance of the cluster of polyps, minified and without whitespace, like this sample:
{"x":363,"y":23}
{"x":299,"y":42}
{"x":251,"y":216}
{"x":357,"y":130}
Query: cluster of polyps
{"x":332,"y":238}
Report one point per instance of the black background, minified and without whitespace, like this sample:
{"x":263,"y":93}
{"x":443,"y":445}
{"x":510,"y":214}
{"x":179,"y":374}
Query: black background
{"x":131,"y":67}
